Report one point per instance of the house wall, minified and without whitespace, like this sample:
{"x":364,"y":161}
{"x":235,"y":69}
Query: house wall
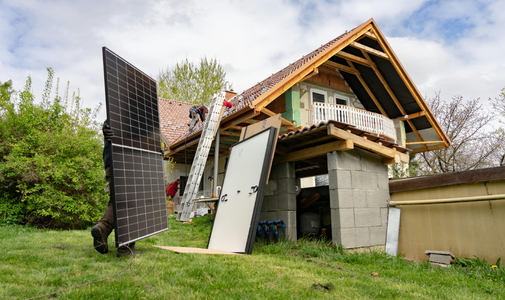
{"x":359,"y":194}
{"x":305,"y":98}
{"x":180,"y":170}
{"x":279,"y":200}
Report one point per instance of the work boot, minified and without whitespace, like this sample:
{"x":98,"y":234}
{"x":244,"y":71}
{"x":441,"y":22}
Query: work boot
{"x":100,"y":235}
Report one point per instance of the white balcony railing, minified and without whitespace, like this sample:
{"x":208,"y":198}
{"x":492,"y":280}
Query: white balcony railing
{"x":362,"y":119}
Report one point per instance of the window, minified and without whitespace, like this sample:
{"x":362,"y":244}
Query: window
{"x":341,"y":99}
{"x":318,"y":96}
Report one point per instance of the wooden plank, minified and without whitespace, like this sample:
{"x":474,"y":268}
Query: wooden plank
{"x":435,"y":147}
{"x":356,"y":59}
{"x":425,"y":142}
{"x":341,"y":67}
{"x":411,"y":116}
{"x":315,"y":151}
{"x":196,"y":250}
{"x":283,"y":121}
{"x":312,"y":141}
{"x":184,"y":145}
{"x":370,"y":35}
{"x":240,"y":119}
{"x":281,"y":150}
{"x":366,"y":144}
{"x":391,"y":161}
{"x":229,"y":133}
{"x":228,"y":139}
{"x":314,"y":72}
{"x":369,"y":91}
{"x":369,"y":50}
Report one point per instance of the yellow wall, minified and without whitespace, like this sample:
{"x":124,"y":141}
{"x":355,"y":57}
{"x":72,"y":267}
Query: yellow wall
{"x":465,"y":229}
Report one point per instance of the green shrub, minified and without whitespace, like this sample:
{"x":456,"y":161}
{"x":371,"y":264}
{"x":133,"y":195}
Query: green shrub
{"x":51,"y":169}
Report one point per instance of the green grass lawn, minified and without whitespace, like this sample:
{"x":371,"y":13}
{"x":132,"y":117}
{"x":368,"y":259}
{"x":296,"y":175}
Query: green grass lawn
{"x":35,"y":262}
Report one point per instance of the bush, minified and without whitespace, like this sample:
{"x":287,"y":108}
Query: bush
{"x":51,"y":170}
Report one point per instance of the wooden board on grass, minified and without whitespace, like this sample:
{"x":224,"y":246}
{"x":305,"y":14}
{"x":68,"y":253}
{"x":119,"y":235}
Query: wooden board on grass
{"x":196,"y":250}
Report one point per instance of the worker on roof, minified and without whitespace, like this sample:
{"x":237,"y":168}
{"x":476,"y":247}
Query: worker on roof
{"x":194,"y":112}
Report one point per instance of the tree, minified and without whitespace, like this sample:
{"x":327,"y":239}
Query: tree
{"x":6,"y":90}
{"x":51,"y":170}
{"x":191,"y":83}
{"x":499,"y":106}
{"x":468,"y":126}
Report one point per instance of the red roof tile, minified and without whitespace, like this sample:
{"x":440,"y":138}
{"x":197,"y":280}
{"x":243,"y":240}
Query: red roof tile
{"x":174,"y":118}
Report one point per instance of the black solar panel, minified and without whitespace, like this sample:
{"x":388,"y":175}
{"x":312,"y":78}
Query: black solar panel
{"x":137,"y":186}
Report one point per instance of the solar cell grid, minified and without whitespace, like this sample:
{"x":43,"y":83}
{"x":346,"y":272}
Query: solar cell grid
{"x":137,"y":187}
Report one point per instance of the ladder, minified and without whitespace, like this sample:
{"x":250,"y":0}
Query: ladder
{"x":210,"y":126}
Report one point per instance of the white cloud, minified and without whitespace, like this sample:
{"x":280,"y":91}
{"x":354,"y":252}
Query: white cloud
{"x":251,"y":39}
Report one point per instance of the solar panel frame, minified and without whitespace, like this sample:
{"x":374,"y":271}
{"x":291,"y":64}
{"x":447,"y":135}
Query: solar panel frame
{"x":137,"y":187}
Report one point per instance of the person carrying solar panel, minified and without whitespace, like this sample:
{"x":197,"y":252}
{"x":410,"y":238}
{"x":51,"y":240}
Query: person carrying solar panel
{"x":105,"y":225}
{"x":194,"y":112}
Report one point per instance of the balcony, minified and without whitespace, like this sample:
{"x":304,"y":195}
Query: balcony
{"x":362,"y":119}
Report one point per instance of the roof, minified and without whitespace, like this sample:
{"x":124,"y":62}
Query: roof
{"x":247,"y":97}
{"x":445,"y":179}
{"x":370,"y":67}
{"x":174,"y":118}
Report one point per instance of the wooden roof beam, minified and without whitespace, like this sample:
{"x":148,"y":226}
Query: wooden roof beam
{"x":370,"y":35}
{"x":340,"y":67}
{"x":391,"y":156}
{"x":283,"y":121}
{"x":369,"y":50}
{"x":434,"y":147}
{"x":356,"y":59}
{"x":229,"y":133}
{"x":241,"y":119}
{"x":342,"y":145}
{"x":411,"y":116}
{"x":393,"y":96}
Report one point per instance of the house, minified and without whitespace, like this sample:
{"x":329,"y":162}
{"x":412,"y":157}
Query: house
{"x":348,"y":109}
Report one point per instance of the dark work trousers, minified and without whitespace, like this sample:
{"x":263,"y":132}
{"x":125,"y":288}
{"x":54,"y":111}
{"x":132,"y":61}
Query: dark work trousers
{"x":107,"y":221}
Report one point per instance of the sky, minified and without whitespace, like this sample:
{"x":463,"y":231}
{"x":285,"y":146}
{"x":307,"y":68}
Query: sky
{"x":452,"y":47}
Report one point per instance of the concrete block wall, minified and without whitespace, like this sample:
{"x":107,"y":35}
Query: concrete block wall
{"x":279,"y":200}
{"x":359,"y":193}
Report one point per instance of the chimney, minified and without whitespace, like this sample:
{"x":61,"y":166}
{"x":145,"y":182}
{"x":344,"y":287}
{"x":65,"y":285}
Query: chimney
{"x":229,"y":92}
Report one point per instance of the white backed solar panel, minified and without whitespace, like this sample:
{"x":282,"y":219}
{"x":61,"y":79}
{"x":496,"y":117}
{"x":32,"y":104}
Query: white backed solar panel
{"x":240,"y":202}
{"x":137,"y":186}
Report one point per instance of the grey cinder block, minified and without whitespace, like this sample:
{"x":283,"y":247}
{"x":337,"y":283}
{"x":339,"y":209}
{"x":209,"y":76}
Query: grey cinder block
{"x":376,"y":198}
{"x":340,"y":198}
{"x":363,"y":180}
{"x":282,"y":170}
{"x":378,"y":235}
{"x":362,"y":237}
{"x":366,"y":217}
{"x":286,"y":202}
{"x":342,"y":218}
{"x":339,"y":179}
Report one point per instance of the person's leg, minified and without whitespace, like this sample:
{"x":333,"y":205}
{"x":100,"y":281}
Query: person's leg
{"x":104,"y":226}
